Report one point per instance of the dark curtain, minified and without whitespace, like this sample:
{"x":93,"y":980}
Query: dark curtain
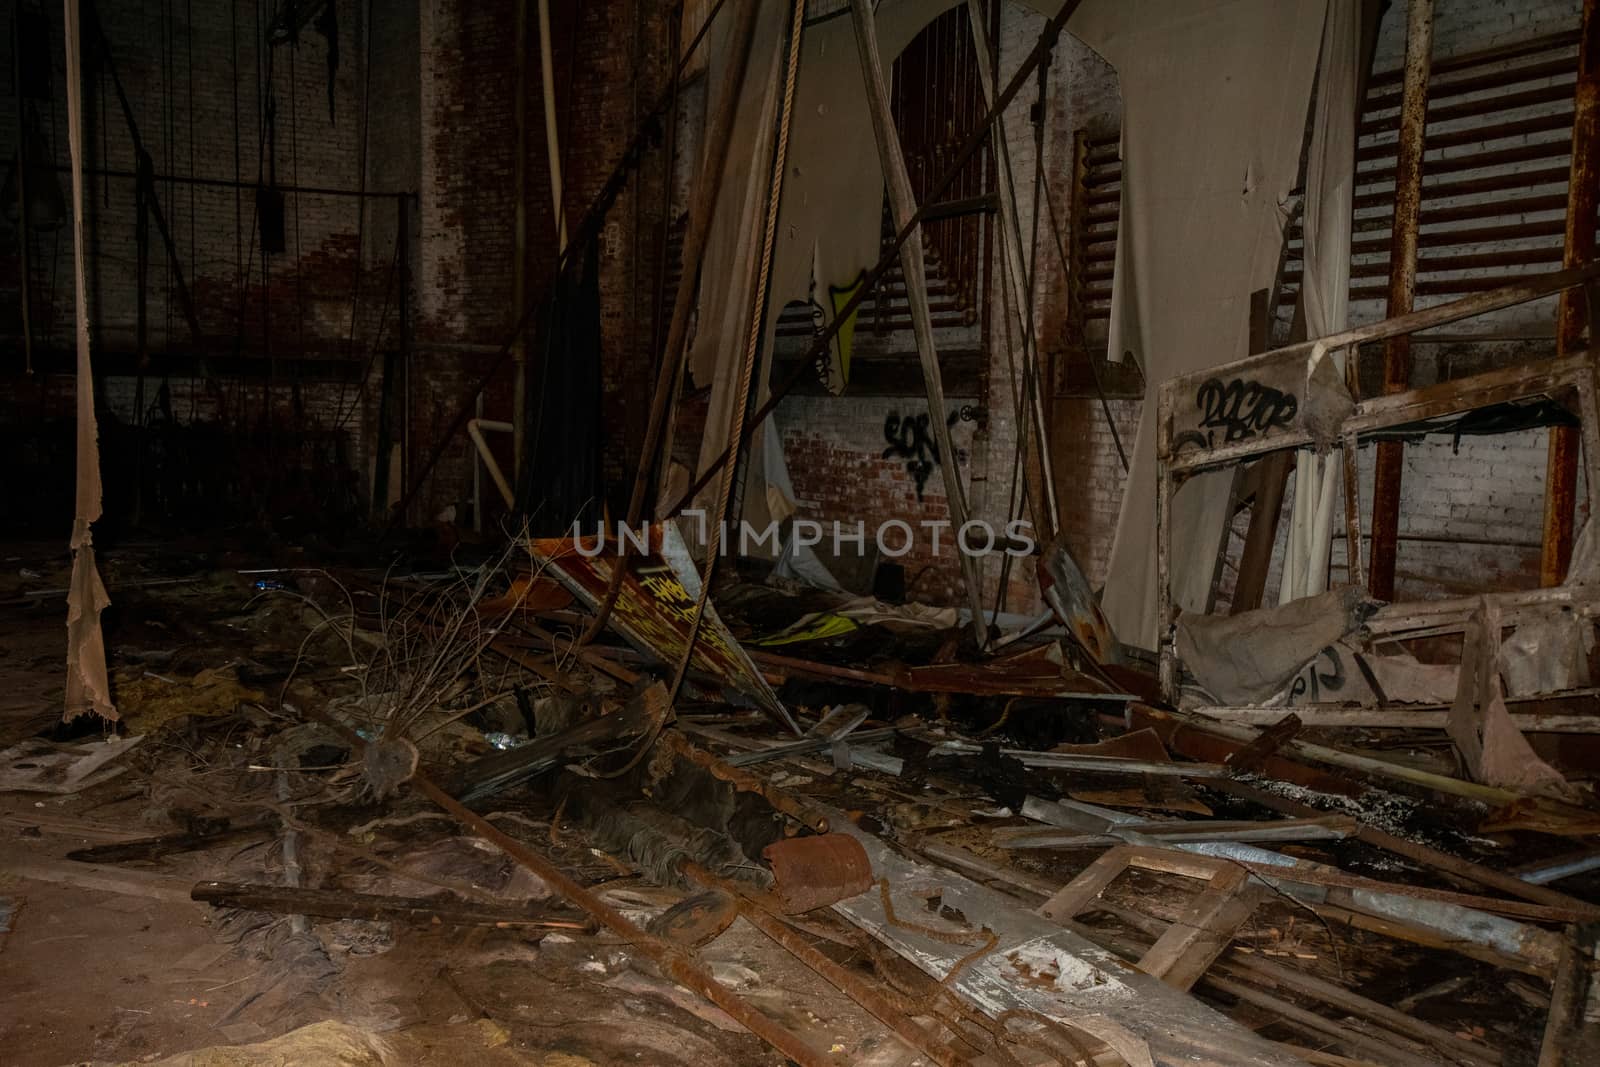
{"x":561,"y":479}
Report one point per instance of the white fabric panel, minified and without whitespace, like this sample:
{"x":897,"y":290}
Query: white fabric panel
{"x":1325,"y":289}
{"x":1215,"y":94}
{"x":831,"y":213}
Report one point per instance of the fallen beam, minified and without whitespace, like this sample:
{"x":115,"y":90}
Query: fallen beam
{"x":342,"y":904}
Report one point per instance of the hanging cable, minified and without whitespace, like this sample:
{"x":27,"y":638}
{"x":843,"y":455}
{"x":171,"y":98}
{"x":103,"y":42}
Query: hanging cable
{"x":1094,"y":369}
{"x":1027,"y":392}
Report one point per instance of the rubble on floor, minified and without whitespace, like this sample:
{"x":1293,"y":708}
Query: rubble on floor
{"x":412,"y":816}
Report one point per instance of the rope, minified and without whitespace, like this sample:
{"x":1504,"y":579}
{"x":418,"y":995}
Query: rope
{"x":752,"y":341}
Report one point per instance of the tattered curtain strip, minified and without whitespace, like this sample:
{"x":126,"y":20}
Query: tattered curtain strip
{"x":1215,"y":95}
{"x":88,"y":689}
{"x":1330,"y":188}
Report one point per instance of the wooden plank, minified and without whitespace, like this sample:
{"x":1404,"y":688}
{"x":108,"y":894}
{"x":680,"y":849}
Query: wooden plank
{"x":1190,"y":945}
{"x":99,"y":879}
{"x":1076,"y":895}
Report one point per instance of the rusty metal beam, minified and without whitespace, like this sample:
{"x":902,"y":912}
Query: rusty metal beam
{"x":1402,"y":287}
{"x":675,"y":962}
{"x":1561,"y":470}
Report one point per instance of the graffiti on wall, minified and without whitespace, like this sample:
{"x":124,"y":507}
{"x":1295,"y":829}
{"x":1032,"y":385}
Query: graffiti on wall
{"x":910,"y":439}
{"x":1240,"y":409}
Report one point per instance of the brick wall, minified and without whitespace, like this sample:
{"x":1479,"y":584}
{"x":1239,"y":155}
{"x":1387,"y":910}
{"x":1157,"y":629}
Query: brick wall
{"x":438,"y":81}
{"x":604,"y":52}
{"x":280,"y":335}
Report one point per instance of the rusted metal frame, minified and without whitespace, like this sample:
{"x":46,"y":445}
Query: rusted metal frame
{"x":587,"y":227}
{"x":1583,"y":196}
{"x":802,"y":366}
{"x":677,"y":963}
{"x":743,"y":781}
{"x":760,"y":911}
{"x":1532,"y":288}
{"x":1461,"y":394}
{"x":903,"y":207}
{"x":1407,"y":216}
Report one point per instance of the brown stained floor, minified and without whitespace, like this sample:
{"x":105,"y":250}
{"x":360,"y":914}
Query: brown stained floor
{"x":88,"y":975}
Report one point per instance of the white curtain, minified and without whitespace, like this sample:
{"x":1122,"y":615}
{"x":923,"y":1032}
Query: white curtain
{"x":1214,"y":95}
{"x":1325,"y":289}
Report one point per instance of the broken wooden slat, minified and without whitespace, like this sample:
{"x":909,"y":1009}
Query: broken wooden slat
{"x":1189,"y":946}
{"x":151,"y":848}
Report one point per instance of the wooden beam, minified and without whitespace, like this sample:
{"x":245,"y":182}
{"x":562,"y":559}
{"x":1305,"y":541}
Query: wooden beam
{"x":903,"y":207}
{"x":343,"y":904}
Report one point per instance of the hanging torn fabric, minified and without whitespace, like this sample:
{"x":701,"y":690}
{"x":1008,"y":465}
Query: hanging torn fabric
{"x":1330,"y":191}
{"x":830,"y":220}
{"x":88,"y":688}
{"x":1215,"y":95}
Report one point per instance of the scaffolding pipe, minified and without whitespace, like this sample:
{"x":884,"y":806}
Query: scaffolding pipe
{"x":1402,"y":286}
{"x":1561,"y":470}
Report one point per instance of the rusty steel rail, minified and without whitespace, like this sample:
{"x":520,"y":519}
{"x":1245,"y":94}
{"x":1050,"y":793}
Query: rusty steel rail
{"x":760,"y":911}
{"x":1390,"y":458}
{"x":801,"y":811}
{"x":1561,"y":470}
{"x":676,"y":962}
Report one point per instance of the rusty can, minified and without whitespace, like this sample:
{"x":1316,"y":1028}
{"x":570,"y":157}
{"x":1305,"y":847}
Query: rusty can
{"x":817,"y":870}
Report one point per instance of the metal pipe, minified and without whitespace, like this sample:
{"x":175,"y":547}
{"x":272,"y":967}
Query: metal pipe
{"x":754,"y":906}
{"x":708,"y":184}
{"x":475,"y":428}
{"x":1402,"y":287}
{"x":796,"y":808}
{"x":1561,"y":470}
{"x":1016,"y":277}
{"x":1563,"y":868}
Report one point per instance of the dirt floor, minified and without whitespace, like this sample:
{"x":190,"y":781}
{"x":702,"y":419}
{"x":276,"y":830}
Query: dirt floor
{"x":112,"y":964}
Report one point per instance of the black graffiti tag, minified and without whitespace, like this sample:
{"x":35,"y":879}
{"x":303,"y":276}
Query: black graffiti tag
{"x":1314,"y":681}
{"x":910,"y":440}
{"x":1240,"y":409}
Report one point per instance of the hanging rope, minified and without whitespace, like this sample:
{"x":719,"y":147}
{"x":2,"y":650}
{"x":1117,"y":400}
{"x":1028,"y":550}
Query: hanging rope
{"x":752,"y":340}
